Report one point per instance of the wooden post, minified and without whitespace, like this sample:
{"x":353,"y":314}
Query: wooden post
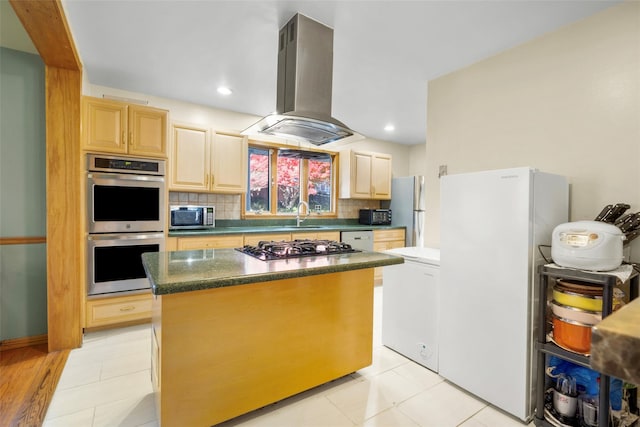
{"x":46,"y":24}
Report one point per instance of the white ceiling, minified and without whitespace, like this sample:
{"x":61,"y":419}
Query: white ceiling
{"x":384,"y":51}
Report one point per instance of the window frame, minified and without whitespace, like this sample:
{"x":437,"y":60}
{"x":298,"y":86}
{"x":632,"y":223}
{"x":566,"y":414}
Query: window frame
{"x":304,"y":184}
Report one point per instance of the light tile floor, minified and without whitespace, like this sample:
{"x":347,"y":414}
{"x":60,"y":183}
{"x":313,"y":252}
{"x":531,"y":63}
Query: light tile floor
{"x":107,"y":383}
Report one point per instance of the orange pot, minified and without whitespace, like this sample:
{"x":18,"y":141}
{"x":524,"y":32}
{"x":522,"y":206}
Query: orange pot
{"x":572,"y":335}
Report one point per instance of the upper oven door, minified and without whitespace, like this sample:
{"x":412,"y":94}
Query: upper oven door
{"x":119,"y":203}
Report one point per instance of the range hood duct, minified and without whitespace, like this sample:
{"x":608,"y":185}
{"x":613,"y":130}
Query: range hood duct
{"x":305,"y":67}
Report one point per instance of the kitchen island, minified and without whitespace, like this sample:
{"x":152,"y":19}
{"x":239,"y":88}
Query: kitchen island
{"x":232,"y":333}
{"x":615,"y":345}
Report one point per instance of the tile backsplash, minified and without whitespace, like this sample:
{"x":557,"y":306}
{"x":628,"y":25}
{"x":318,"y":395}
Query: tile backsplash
{"x":228,"y":206}
{"x":349,"y":208}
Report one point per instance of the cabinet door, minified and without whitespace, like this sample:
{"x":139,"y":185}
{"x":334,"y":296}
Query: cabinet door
{"x":147,"y":131}
{"x":381,"y":177}
{"x":171,"y":244}
{"x":361,"y":175}
{"x":329,"y":235}
{"x":229,"y":158}
{"x":384,"y":240}
{"x":104,"y":125}
{"x":321,"y":235}
{"x":189,"y":160}
{"x":253,"y":239}
{"x":217,"y":242}
{"x":389,"y":235}
{"x":307,"y":235}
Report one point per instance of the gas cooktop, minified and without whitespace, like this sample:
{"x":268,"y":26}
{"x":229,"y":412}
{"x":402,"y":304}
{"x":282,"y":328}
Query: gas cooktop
{"x":271,"y":250}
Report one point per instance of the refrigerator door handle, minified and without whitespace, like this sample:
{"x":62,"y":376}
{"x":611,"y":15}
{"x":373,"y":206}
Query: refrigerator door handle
{"x":418,"y":229}
{"x":418,"y":193}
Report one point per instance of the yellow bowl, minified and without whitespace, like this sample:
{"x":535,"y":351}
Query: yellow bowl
{"x":573,"y":299}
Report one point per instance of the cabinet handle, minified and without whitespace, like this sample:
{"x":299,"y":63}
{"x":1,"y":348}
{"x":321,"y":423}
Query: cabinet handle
{"x":124,"y":138}
{"x":131,"y":138}
{"x":206,"y":180}
{"x":128,"y":308}
{"x":212,"y":180}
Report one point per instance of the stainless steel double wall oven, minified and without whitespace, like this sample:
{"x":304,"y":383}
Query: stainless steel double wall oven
{"x":126,"y":216}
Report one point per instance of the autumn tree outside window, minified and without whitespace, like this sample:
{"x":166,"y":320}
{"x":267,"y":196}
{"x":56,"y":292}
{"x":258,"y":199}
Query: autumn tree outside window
{"x":278,"y":181}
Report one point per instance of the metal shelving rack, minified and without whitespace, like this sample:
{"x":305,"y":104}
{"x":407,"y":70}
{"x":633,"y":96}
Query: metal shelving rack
{"x":608,"y":281}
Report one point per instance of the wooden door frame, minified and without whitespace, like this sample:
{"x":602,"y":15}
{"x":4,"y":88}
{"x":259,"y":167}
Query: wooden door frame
{"x":46,"y":25}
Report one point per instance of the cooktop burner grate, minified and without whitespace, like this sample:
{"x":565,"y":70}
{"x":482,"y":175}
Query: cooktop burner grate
{"x":271,"y":250}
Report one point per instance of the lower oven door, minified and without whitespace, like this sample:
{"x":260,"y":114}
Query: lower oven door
{"x":115,"y":262}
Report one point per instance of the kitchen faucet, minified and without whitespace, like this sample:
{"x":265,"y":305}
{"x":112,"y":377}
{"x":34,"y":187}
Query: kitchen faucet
{"x":298,"y":220}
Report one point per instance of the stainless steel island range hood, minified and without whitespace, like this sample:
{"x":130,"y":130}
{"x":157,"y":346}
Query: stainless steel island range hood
{"x":305,"y":67}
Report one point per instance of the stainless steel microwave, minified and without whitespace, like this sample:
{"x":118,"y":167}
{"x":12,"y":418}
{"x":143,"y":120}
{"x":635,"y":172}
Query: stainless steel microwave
{"x":185,"y":217}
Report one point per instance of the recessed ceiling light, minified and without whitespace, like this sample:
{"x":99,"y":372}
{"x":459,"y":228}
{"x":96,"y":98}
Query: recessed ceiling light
{"x":389,"y":128}
{"x":223,"y":90}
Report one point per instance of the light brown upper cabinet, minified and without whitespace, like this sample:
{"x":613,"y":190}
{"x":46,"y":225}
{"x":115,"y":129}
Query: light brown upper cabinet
{"x":365,"y":175}
{"x":202,"y":160}
{"x":189,"y":158}
{"x":121,"y":128}
{"x":230,"y":163}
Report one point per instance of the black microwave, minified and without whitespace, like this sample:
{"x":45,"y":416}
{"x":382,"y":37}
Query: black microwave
{"x":375,"y":216}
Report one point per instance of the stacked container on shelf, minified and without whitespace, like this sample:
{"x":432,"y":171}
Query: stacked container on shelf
{"x":575,"y":309}
{"x":573,"y":395}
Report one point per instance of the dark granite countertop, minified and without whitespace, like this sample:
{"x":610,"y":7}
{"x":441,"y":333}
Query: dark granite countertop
{"x":184,"y":271}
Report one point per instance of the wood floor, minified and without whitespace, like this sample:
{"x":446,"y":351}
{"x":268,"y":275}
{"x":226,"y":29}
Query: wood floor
{"x":28,"y":378}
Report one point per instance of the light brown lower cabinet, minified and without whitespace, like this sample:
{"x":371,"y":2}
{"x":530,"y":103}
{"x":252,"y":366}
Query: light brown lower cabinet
{"x":171,"y":244}
{"x":117,"y":310}
{"x":253,"y":239}
{"x":222,"y":352}
{"x":209,"y":242}
{"x":384,"y":240}
{"x":320,"y":235}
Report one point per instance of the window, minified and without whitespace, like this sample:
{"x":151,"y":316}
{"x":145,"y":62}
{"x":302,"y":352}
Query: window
{"x":280,"y":178}
{"x":319,"y":185}
{"x":258,"y":193}
{"x":288,"y":179}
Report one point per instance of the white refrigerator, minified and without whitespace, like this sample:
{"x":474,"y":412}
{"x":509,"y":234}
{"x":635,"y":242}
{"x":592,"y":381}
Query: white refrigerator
{"x":491,"y":225}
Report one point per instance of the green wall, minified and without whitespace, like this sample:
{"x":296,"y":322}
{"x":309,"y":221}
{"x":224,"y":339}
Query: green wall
{"x":23,"y":274}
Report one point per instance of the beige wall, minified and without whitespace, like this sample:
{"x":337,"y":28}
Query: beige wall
{"x":565,"y":103}
{"x":417,"y":160}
